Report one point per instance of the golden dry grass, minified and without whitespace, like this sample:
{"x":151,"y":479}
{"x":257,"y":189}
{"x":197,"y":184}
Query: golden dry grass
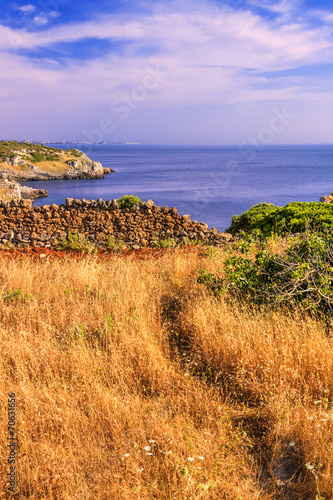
{"x":133,"y":382}
{"x":59,"y":166}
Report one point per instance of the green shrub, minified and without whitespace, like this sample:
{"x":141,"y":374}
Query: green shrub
{"x":37,"y":157}
{"x":128,"y":201}
{"x":168,"y":243}
{"x":114,"y":244}
{"x":302,"y":276}
{"x":214,"y":283}
{"x":75,"y":152}
{"x":267,"y":219}
{"x":76,"y":242}
{"x":14,"y":296}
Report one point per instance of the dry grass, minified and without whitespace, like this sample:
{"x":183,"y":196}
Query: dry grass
{"x":125,"y":369}
{"x":59,"y":166}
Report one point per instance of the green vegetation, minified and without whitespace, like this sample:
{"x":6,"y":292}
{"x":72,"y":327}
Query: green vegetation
{"x":14,"y":296}
{"x":114,"y":244}
{"x":187,"y":241}
{"x":301,"y":275}
{"x":75,"y":152}
{"x":268,"y":219}
{"x":128,"y":201}
{"x":77,"y":242}
{"x":213,"y":253}
{"x":34,"y":153}
{"x":168,"y":243}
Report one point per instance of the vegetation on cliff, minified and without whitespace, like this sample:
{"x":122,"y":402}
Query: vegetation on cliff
{"x":20,"y":155}
{"x":31,"y":162}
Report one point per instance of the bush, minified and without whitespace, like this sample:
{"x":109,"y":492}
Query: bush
{"x":302,"y":276}
{"x":168,"y":243}
{"x":37,"y":157}
{"x":128,"y":201}
{"x":75,"y":152}
{"x":76,"y":242}
{"x":113,"y":244}
{"x":267,"y":219}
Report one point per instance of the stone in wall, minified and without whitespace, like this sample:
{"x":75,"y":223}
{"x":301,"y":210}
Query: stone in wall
{"x":97,"y":221}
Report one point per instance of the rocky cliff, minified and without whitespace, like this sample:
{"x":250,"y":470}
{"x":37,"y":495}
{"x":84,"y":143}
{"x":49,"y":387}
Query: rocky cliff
{"x":34,"y":162}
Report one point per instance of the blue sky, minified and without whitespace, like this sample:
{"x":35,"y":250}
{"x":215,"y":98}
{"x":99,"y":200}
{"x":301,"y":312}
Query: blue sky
{"x":175,"y":72}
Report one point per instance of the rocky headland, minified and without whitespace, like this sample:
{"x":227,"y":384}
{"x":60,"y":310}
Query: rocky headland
{"x":21,"y":162}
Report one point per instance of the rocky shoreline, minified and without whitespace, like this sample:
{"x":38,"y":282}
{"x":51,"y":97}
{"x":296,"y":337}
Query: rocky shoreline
{"x":16,"y":169}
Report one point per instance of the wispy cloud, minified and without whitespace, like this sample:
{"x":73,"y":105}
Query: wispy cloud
{"x":214,"y":56}
{"x":26,"y":8}
{"x":41,"y":20}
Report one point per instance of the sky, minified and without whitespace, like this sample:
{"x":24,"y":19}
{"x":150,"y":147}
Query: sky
{"x":174,"y":72}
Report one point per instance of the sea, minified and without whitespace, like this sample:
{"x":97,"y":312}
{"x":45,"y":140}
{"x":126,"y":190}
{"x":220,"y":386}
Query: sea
{"x":210,"y":183}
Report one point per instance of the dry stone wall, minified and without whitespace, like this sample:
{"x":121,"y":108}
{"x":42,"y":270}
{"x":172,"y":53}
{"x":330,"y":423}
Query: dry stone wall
{"x":22,"y":225}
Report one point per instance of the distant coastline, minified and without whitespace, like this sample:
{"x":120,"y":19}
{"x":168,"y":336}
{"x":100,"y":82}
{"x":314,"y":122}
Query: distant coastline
{"x":75,"y":142}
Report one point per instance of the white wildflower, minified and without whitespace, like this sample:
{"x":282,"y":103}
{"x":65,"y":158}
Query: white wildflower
{"x":147,"y":448}
{"x":190,"y":459}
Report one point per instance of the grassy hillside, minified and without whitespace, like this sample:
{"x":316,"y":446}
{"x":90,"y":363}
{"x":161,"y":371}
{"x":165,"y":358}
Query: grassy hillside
{"x":46,"y":158}
{"x":133,"y":381}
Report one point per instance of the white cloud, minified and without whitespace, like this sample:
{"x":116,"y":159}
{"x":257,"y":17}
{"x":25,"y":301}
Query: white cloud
{"x":213,"y":57}
{"x":54,"y":14}
{"x":41,"y":19}
{"x":323,"y":15}
{"x":26,"y":8}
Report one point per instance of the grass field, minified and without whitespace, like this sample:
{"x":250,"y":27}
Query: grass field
{"x":133,"y":382}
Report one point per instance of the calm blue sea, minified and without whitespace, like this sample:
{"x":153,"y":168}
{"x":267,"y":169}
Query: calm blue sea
{"x":210,"y":183}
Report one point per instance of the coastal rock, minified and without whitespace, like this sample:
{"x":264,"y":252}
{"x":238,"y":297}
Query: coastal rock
{"x":84,"y":168}
{"x":326,"y":199}
{"x":29,"y":193}
{"x":11,"y":190}
{"x":80,"y":167}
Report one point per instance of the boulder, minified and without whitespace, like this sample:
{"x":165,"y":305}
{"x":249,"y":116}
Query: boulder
{"x":326,"y":199}
{"x":150,"y":204}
